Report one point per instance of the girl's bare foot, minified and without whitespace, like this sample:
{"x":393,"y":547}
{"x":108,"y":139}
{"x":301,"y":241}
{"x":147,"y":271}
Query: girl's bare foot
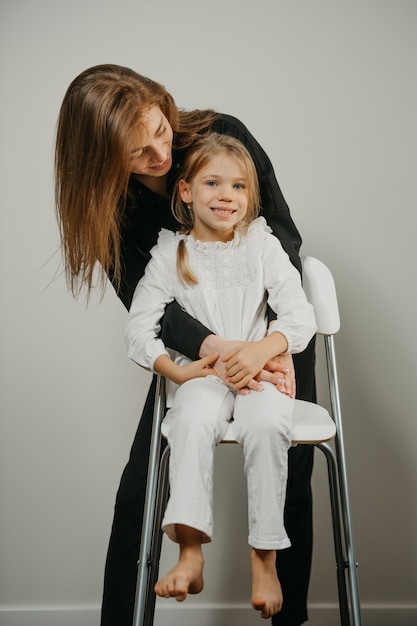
{"x":187,"y":576}
{"x":266,"y":588}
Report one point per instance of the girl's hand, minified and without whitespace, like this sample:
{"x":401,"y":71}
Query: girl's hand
{"x":280,"y":371}
{"x":223,"y":347}
{"x":197,"y":369}
{"x":179,"y":374}
{"x":244,"y":363}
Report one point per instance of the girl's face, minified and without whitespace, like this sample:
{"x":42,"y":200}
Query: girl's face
{"x":218,"y":197}
{"x":152,"y":152}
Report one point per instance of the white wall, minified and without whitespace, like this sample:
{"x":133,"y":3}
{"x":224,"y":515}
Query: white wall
{"x":329,"y":89}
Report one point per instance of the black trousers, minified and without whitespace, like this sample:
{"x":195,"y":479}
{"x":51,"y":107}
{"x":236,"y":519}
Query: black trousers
{"x":293,"y":564}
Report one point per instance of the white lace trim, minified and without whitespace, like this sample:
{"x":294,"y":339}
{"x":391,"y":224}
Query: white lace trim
{"x":222,"y":265}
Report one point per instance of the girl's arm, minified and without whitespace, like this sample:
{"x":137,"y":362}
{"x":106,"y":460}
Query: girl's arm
{"x":290,"y":332}
{"x":143,"y":337}
{"x":286,"y":296}
{"x":178,"y":330}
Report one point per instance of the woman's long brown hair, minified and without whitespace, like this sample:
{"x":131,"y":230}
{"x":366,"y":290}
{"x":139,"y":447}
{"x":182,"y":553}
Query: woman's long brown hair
{"x":101,"y":108}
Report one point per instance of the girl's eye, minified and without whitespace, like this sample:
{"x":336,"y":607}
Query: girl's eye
{"x":239,"y":186}
{"x":211,"y":183}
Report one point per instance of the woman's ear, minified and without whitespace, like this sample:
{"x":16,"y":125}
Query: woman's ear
{"x":185,"y":191}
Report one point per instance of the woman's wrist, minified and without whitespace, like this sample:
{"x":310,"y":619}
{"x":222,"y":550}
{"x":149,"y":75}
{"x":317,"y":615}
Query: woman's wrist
{"x":209,"y":345}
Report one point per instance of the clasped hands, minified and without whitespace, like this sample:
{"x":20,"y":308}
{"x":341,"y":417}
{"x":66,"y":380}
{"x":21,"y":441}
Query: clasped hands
{"x":242,"y":365}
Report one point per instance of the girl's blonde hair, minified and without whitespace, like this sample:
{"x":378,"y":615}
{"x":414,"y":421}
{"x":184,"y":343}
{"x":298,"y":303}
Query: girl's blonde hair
{"x":101,"y":108}
{"x":202,"y":151}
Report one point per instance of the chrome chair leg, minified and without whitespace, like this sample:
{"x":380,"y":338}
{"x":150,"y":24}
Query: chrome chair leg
{"x":337,"y":532}
{"x":351,"y":561}
{"x":145,"y":562}
{"x":156,"y":543}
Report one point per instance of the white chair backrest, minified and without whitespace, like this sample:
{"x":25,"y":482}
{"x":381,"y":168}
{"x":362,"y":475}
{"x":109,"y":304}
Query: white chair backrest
{"x":320,"y":290}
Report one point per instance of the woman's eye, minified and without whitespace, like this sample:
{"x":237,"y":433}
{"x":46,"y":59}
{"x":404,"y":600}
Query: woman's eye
{"x":137,"y":155}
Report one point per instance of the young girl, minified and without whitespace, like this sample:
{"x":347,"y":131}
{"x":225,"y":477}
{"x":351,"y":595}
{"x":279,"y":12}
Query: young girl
{"x":223,"y":268}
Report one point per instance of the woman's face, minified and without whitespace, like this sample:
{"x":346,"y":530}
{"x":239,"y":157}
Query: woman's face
{"x":152,"y":152}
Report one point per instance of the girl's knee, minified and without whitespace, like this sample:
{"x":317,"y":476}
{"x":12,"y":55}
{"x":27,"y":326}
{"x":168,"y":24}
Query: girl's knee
{"x":271,"y":425}
{"x":189,"y":420}
{"x":268,"y":412}
{"x":201,"y":403}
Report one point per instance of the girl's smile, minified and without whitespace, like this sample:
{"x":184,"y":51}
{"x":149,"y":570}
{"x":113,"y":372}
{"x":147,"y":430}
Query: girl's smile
{"x":223,"y":211}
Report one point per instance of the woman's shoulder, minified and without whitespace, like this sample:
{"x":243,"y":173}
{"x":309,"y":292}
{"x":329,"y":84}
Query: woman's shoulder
{"x":229,"y":125}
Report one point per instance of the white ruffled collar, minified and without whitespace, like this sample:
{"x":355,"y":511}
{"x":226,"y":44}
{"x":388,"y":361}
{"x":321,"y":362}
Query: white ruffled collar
{"x":196,"y":244}
{"x":259,"y":223}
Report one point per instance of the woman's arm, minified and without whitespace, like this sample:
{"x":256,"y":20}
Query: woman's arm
{"x":182,"y":332}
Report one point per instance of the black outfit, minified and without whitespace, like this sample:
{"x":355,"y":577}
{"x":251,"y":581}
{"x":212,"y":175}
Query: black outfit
{"x":145,"y":214}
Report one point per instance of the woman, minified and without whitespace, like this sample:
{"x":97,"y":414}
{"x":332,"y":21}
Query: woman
{"x":120,"y":145}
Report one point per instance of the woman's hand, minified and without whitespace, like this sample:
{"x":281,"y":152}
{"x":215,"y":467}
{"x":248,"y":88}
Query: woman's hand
{"x":280,"y":371}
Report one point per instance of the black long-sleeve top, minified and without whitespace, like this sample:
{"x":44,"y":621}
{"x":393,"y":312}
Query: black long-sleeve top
{"x":146,"y":213}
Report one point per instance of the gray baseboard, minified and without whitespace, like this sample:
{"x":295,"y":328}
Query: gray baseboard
{"x":203,"y":615}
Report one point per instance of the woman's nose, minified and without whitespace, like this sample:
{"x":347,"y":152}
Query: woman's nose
{"x":158,"y":153}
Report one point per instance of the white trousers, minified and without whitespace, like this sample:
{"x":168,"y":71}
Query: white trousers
{"x":197,"y":422}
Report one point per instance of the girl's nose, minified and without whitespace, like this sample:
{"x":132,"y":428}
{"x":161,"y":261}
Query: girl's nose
{"x":226,"y":193}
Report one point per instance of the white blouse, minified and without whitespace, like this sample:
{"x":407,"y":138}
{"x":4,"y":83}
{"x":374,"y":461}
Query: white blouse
{"x":236,"y":281}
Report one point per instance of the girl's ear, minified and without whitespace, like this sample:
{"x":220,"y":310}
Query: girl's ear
{"x":185,"y":191}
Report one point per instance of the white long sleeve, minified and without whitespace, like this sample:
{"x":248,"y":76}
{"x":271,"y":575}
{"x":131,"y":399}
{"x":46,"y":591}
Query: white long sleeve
{"x":153,"y":292}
